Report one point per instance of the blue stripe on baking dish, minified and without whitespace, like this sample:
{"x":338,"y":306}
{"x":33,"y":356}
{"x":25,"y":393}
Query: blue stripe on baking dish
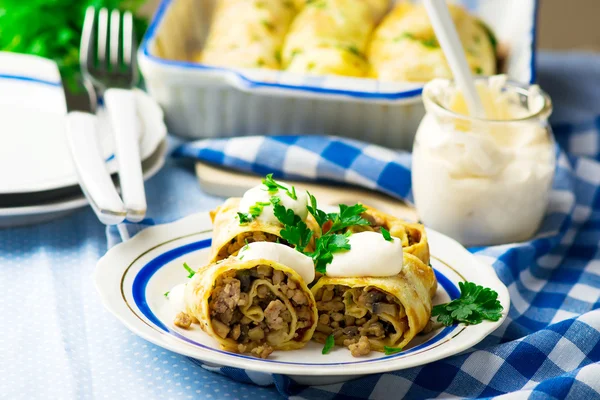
{"x":164,"y":5}
{"x":141,"y":280}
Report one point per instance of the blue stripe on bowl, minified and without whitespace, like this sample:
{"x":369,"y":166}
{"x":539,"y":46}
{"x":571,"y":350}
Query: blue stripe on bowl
{"x":146,"y":273}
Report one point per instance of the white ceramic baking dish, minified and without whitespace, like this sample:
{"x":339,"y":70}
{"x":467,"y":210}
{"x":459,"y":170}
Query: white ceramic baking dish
{"x":205,"y":101}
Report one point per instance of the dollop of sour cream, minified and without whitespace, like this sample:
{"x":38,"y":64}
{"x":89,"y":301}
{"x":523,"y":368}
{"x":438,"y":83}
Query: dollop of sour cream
{"x":260,"y":194}
{"x":176,"y":298}
{"x":369,"y":255}
{"x":282,"y":254}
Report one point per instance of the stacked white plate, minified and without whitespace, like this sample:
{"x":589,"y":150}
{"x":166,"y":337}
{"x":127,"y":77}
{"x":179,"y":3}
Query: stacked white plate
{"x":38,"y":181}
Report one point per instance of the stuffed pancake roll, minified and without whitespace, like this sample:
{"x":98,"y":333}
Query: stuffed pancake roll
{"x":404,"y":46}
{"x":251,"y":304}
{"x":412,"y":236}
{"x":252,"y":219}
{"x":331,"y":36}
{"x":247,"y":34}
{"x":367,"y":313}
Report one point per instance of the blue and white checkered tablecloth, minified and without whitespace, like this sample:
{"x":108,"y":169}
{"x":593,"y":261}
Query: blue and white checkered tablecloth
{"x":59,"y":342}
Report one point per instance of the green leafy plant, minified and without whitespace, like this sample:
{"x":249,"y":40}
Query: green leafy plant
{"x":474,"y":305}
{"x":52,"y":29}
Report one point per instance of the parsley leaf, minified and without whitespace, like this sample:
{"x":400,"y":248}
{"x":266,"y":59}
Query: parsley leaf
{"x":474,"y":305}
{"x":166,"y":294}
{"x":295,"y":231}
{"x":325,"y":247}
{"x":320,"y":216}
{"x":386,"y":234}
{"x":391,"y":350}
{"x":273,"y":186}
{"x":244,"y":218}
{"x":188,"y":269}
{"x":257,"y":208}
{"x":348,"y":216}
{"x":329,"y":343}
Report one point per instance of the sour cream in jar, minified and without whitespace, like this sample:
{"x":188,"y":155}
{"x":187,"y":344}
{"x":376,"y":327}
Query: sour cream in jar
{"x":484,"y":181}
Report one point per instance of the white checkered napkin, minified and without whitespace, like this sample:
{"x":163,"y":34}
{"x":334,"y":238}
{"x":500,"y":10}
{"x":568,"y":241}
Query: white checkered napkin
{"x":321,"y":158}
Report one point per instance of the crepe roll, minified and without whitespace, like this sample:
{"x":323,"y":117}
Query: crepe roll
{"x":252,"y":306}
{"x":230,"y":235}
{"x":331,"y":37}
{"x":370,"y":313}
{"x":413,"y":236}
{"x":404,"y":46}
{"x":247,"y":33}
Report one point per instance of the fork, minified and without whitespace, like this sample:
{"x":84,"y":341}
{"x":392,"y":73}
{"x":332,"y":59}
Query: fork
{"x":107,"y":58}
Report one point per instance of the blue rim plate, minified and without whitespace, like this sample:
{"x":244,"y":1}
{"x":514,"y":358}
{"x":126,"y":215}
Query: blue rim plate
{"x":133,"y":277}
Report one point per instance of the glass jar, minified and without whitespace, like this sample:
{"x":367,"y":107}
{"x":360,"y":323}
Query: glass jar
{"x":484,"y":181}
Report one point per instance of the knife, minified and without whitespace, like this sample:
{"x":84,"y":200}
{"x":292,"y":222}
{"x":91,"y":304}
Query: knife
{"x":90,"y":166}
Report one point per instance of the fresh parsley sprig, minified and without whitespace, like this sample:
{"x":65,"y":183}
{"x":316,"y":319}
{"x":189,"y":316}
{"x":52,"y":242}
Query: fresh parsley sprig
{"x":329,"y":343}
{"x":244,"y":218}
{"x":386,"y":234}
{"x":391,"y":350}
{"x":295,"y":231}
{"x":188,"y":269}
{"x":474,"y":305}
{"x":320,"y":216}
{"x":273,"y":186}
{"x":325,"y":246}
{"x":347,"y":217}
{"x":257,"y":208}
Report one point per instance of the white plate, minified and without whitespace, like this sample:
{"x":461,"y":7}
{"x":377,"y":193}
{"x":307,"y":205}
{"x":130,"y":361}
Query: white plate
{"x":133,"y":277}
{"x":33,"y":144}
{"x":35,"y":214}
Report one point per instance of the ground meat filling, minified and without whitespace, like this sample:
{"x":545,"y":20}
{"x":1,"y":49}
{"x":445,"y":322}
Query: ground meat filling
{"x":259,"y":308}
{"x":359,"y":318}
{"x":235,"y":244}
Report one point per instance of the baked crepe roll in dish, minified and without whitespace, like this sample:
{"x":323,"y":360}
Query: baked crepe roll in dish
{"x":252,"y":219}
{"x":404,"y":46}
{"x":412,"y":236}
{"x":371,"y":313}
{"x":247,"y":33}
{"x":250,"y":304}
{"x":331,"y":36}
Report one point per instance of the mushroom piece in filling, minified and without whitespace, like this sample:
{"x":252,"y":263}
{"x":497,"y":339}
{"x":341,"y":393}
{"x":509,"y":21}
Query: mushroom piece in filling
{"x":259,"y":308}
{"x":362,"y":319}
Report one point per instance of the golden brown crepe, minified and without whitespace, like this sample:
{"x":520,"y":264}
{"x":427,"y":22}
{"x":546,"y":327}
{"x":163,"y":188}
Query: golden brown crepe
{"x":368,"y":313}
{"x":247,"y":34}
{"x":413,"y":236}
{"x":404,"y":46}
{"x":229,"y":236}
{"x":254,"y":306}
{"x":331,"y":37}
